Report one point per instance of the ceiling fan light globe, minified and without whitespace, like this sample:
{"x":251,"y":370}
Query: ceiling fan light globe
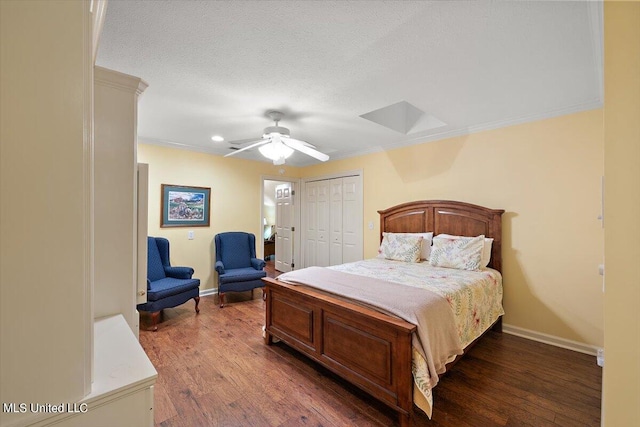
{"x":276,"y":152}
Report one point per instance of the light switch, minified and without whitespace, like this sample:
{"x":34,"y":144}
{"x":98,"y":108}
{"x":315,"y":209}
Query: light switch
{"x":370,"y":225}
{"x":190,"y":235}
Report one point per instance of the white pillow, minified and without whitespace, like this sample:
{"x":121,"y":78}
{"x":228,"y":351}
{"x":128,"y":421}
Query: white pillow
{"x":400,"y":247}
{"x":426,"y":243}
{"x":486,"y":250}
{"x":463,"y":253}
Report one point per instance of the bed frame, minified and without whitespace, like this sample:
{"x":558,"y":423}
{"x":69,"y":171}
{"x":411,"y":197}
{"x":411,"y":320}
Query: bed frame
{"x":367,"y":348}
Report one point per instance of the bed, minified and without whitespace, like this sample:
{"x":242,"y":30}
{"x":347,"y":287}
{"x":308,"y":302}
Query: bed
{"x":371,"y":349}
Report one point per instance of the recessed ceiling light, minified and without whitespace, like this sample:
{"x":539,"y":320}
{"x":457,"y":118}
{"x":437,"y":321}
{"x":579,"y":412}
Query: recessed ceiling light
{"x":217,"y":138}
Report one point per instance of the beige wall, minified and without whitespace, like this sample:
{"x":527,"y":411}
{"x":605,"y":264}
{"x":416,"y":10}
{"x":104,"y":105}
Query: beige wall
{"x":236,"y":201}
{"x":621,"y":391}
{"x":546,"y":175}
{"x":45,"y":318}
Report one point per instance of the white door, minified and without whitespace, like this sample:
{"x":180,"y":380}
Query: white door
{"x":284,"y":227}
{"x":335,"y":223}
{"x":310,"y":224}
{"x":323,"y":205}
{"x":351,"y":219}
{"x":141,"y":240}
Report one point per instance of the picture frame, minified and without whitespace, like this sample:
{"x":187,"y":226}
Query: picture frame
{"x":184,"y":206}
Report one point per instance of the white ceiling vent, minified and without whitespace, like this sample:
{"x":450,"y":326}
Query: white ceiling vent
{"x":404,"y":118}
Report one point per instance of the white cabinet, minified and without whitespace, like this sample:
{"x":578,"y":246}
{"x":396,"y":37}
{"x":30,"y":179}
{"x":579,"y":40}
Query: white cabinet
{"x":332,"y":221}
{"x":122,"y":390}
{"x":116,"y":221}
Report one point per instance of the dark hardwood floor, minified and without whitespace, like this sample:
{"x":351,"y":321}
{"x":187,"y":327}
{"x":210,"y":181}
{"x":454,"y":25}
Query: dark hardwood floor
{"x":215,"y":370}
{"x":270,"y":268}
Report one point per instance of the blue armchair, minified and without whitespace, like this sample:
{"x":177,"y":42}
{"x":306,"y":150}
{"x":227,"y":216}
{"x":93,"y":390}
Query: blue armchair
{"x":238,"y":268}
{"x":167,"y":286}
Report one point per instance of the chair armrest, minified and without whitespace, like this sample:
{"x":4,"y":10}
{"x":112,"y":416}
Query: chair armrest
{"x":257,"y":263}
{"x":148,"y":284}
{"x":219,"y":267}
{"x":179,"y":272}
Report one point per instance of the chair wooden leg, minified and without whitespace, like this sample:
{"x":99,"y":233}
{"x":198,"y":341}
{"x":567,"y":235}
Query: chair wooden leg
{"x":221,"y":299}
{"x":197,"y":303}
{"x":154,"y":320}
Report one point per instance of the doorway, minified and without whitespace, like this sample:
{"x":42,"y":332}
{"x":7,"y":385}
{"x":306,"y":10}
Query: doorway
{"x":280,"y":222}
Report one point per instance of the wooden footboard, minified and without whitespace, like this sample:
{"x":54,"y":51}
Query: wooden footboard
{"x":367,"y":348}
{"x":363,"y":346}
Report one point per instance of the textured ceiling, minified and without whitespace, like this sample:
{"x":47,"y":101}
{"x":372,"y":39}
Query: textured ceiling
{"x":216,"y":67}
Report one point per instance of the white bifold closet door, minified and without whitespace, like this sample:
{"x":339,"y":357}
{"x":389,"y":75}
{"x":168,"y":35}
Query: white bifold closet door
{"x":316,"y":224}
{"x":352,"y":217}
{"x":333,"y":221}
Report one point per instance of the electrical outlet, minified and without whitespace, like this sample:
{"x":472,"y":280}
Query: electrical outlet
{"x":190,"y":235}
{"x":370,"y":225}
{"x":600,"y":357}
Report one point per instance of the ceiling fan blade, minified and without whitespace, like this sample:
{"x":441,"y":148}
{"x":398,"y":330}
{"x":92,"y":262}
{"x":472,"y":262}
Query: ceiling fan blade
{"x":260,"y":142}
{"x":244,"y":141}
{"x":288,"y":138}
{"x":305,"y":147}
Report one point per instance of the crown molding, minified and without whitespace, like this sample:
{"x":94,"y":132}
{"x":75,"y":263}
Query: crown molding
{"x":118,"y":80}
{"x":414,"y":140}
{"x":511,"y":121}
{"x":98,"y":11}
{"x":177,"y":145}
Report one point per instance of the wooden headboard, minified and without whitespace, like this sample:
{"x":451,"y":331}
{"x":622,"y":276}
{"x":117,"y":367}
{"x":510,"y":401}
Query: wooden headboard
{"x":445,"y":216}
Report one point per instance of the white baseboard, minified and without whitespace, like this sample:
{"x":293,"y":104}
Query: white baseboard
{"x":206,"y":292}
{"x":513,"y":330}
{"x":550,"y":339}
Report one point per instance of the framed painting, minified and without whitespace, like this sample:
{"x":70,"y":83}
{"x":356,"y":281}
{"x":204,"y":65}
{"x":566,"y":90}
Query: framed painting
{"x":184,"y":206}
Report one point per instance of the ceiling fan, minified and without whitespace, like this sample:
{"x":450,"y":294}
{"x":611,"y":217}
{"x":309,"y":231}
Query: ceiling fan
{"x":277,"y":145}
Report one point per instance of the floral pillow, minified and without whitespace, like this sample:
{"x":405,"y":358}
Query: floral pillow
{"x":463,"y":253}
{"x":401,"y":247}
{"x":486,"y":250}
{"x":426,"y":244}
